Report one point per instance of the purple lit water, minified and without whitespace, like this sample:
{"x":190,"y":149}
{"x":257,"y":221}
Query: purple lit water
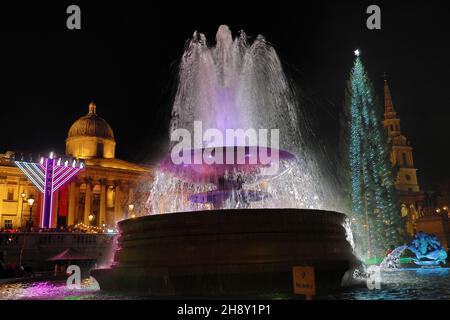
{"x":57,"y":290}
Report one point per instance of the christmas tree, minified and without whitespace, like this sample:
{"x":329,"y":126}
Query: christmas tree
{"x":375,"y":213}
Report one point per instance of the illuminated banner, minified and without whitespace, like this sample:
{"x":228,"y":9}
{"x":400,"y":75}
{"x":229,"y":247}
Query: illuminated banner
{"x":48,"y":176}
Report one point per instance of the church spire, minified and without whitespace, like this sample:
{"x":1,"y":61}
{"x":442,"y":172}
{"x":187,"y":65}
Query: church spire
{"x":389,"y":111}
{"x":391,"y":121}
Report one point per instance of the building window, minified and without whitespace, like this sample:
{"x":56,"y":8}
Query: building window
{"x":392,"y":127}
{"x":10,"y":194}
{"x":8,"y":224}
{"x":408,"y":177}
{"x":100,"y":150}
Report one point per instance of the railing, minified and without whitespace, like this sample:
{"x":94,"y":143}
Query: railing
{"x":8,"y":240}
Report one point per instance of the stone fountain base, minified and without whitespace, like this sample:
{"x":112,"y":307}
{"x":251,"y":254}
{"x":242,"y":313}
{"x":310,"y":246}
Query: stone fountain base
{"x":227,"y":253}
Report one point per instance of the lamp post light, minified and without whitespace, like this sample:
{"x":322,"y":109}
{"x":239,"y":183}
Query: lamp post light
{"x":30,"y":204}
{"x":23,"y":195}
{"x":446,"y":211}
{"x":130,"y":211}
{"x":443,"y":211}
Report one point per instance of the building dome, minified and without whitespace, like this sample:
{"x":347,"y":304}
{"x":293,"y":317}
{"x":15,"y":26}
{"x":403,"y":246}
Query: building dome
{"x":90,"y":137}
{"x":91,"y":125}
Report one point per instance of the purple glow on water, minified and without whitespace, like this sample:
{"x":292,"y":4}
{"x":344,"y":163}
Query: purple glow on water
{"x":203,"y":172}
{"x":47,"y":290}
{"x":227,"y":109}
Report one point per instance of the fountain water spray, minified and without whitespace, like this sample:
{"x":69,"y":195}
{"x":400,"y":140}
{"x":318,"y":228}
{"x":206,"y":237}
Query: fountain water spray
{"x":237,"y":85}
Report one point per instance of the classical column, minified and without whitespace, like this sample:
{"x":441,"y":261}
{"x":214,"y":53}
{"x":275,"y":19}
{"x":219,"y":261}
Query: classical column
{"x":87,"y":201}
{"x":21,"y":212}
{"x":131,"y":195}
{"x":118,"y":214}
{"x":77,"y":218}
{"x":74,"y":188}
{"x":102,"y":218}
{"x":20,"y":203}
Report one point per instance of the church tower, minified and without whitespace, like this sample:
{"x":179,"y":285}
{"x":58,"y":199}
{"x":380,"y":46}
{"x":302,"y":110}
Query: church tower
{"x":401,"y":152}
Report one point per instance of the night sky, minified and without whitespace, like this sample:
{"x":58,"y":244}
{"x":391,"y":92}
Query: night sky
{"x":125,"y":58}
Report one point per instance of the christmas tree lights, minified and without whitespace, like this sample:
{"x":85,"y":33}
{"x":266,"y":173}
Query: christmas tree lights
{"x":375,"y":213}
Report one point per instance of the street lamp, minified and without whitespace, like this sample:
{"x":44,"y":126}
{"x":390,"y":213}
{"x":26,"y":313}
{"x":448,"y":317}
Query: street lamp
{"x":23,"y":195}
{"x":30,"y":203}
{"x":446,"y":211}
{"x":130,"y":211}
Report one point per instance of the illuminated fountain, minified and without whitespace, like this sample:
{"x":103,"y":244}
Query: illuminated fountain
{"x":243,"y":211}
{"x":237,"y":85}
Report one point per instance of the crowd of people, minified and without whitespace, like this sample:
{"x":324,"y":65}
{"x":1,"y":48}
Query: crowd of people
{"x":11,"y":270}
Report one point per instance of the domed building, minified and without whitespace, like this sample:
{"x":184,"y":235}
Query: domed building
{"x":91,"y":137}
{"x":106,"y":191}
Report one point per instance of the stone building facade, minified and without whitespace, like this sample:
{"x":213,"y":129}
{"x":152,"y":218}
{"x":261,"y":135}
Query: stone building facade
{"x":106,"y":191}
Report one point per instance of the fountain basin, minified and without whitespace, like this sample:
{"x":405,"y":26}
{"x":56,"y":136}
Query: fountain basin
{"x":240,"y":252}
